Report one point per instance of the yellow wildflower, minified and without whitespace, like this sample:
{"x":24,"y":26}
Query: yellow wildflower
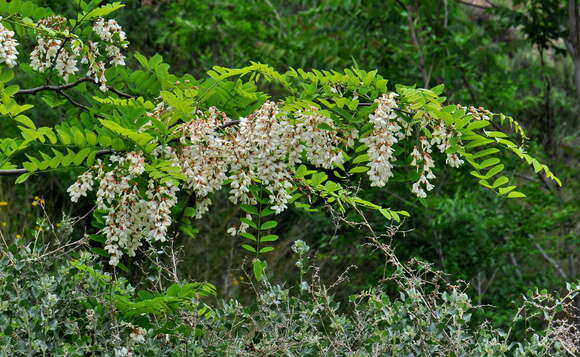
{"x":37,"y":201}
{"x":18,"y":236}
{"x":3,"y":203}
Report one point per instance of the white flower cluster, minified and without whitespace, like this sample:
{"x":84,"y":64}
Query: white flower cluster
{"x":63,"y":54}
{"x":131,"y":215}
{"x":388,"y":129}
{"x":203,"y":158}
{"x":442,"y":138}
{"x":263,"y":148}
{"x":80,"y":188}
{"x":317,"y":137}
{"x":8,"y":44}
{"x":113,"y":35}
{"x":423,"y":157}
{"x":54,"y":53}
{"x":266,"y":146}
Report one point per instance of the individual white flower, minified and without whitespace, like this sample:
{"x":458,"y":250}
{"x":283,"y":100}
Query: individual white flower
{"x":453,"y":160}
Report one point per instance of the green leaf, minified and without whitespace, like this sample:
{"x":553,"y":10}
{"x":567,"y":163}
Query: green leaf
{"x":249,"y":209}
{"x":301,"y":171}
{"x":515,"y":194}
{"x":478,"y":124}
{"x":496,"y":134}
{"x":101,"y":252}
{"x":249,"y":223}
{"x":23,"y":177}
{"x":123,"y":267}
{"x":358,"y":170}
{"x":494,"y":171}
{"x":485,"y":152}
{"x":189,"y":212}
{"x":269,"y":238}
{"x":250,"y":236}
{"x":26,"y":121}
{"x":331,"y":186}
{"x":361,"y":158}
{"x":81,"y":156}
{"x":268,"y":225}
{"x":101,"y":11}
{"x":386,"y":213}
{"x":489,"y":162}
{"x":258,"y":268}
{"x":404,"y":213}
{"x":140,"y":138}
{"x":249,"y":248}
{"x":189,"y":230}
{"x":318,"y":178}
{"x":266,"y":250}
{"x":502,"y":180}
{"x":91,"y":138}
{"x":504,"y":190}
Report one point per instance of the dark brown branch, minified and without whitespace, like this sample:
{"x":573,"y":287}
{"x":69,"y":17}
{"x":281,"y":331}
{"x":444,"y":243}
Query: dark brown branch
{"x":55,"y":88}
{"x":72,"y":101}
{"x":228,"y":124}
{"x":119,"y":93}
{"x":71,"y":85}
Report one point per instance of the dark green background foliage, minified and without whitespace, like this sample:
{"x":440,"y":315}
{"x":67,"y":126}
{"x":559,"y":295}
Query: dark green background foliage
{"x":509,"y":57}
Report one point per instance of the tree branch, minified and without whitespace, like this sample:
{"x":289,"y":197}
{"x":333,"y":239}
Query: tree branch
{"x":475,"y":5}
{"x":416,"y":42}
{"x":72,"y":101}
{"x":228,"y":124}
{"x":55,"y":88}
{"x":70,"y":85}
{"x":551,"y":260}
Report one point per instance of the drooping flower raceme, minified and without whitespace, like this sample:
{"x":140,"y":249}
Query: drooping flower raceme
{"x":64,"y":53}
{"x":387,"y":131}
{"x":131,"y":215}
{"x":8,"y":44}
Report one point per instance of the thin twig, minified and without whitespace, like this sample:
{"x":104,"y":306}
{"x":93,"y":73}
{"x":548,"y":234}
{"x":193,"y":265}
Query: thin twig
{"x":551,"y":260}
{"x":228,"y":124}
{"x":72,"y":101}
{"x":75,"y":243}
{"x":55,"y":88}
{"x":71,"y":85}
